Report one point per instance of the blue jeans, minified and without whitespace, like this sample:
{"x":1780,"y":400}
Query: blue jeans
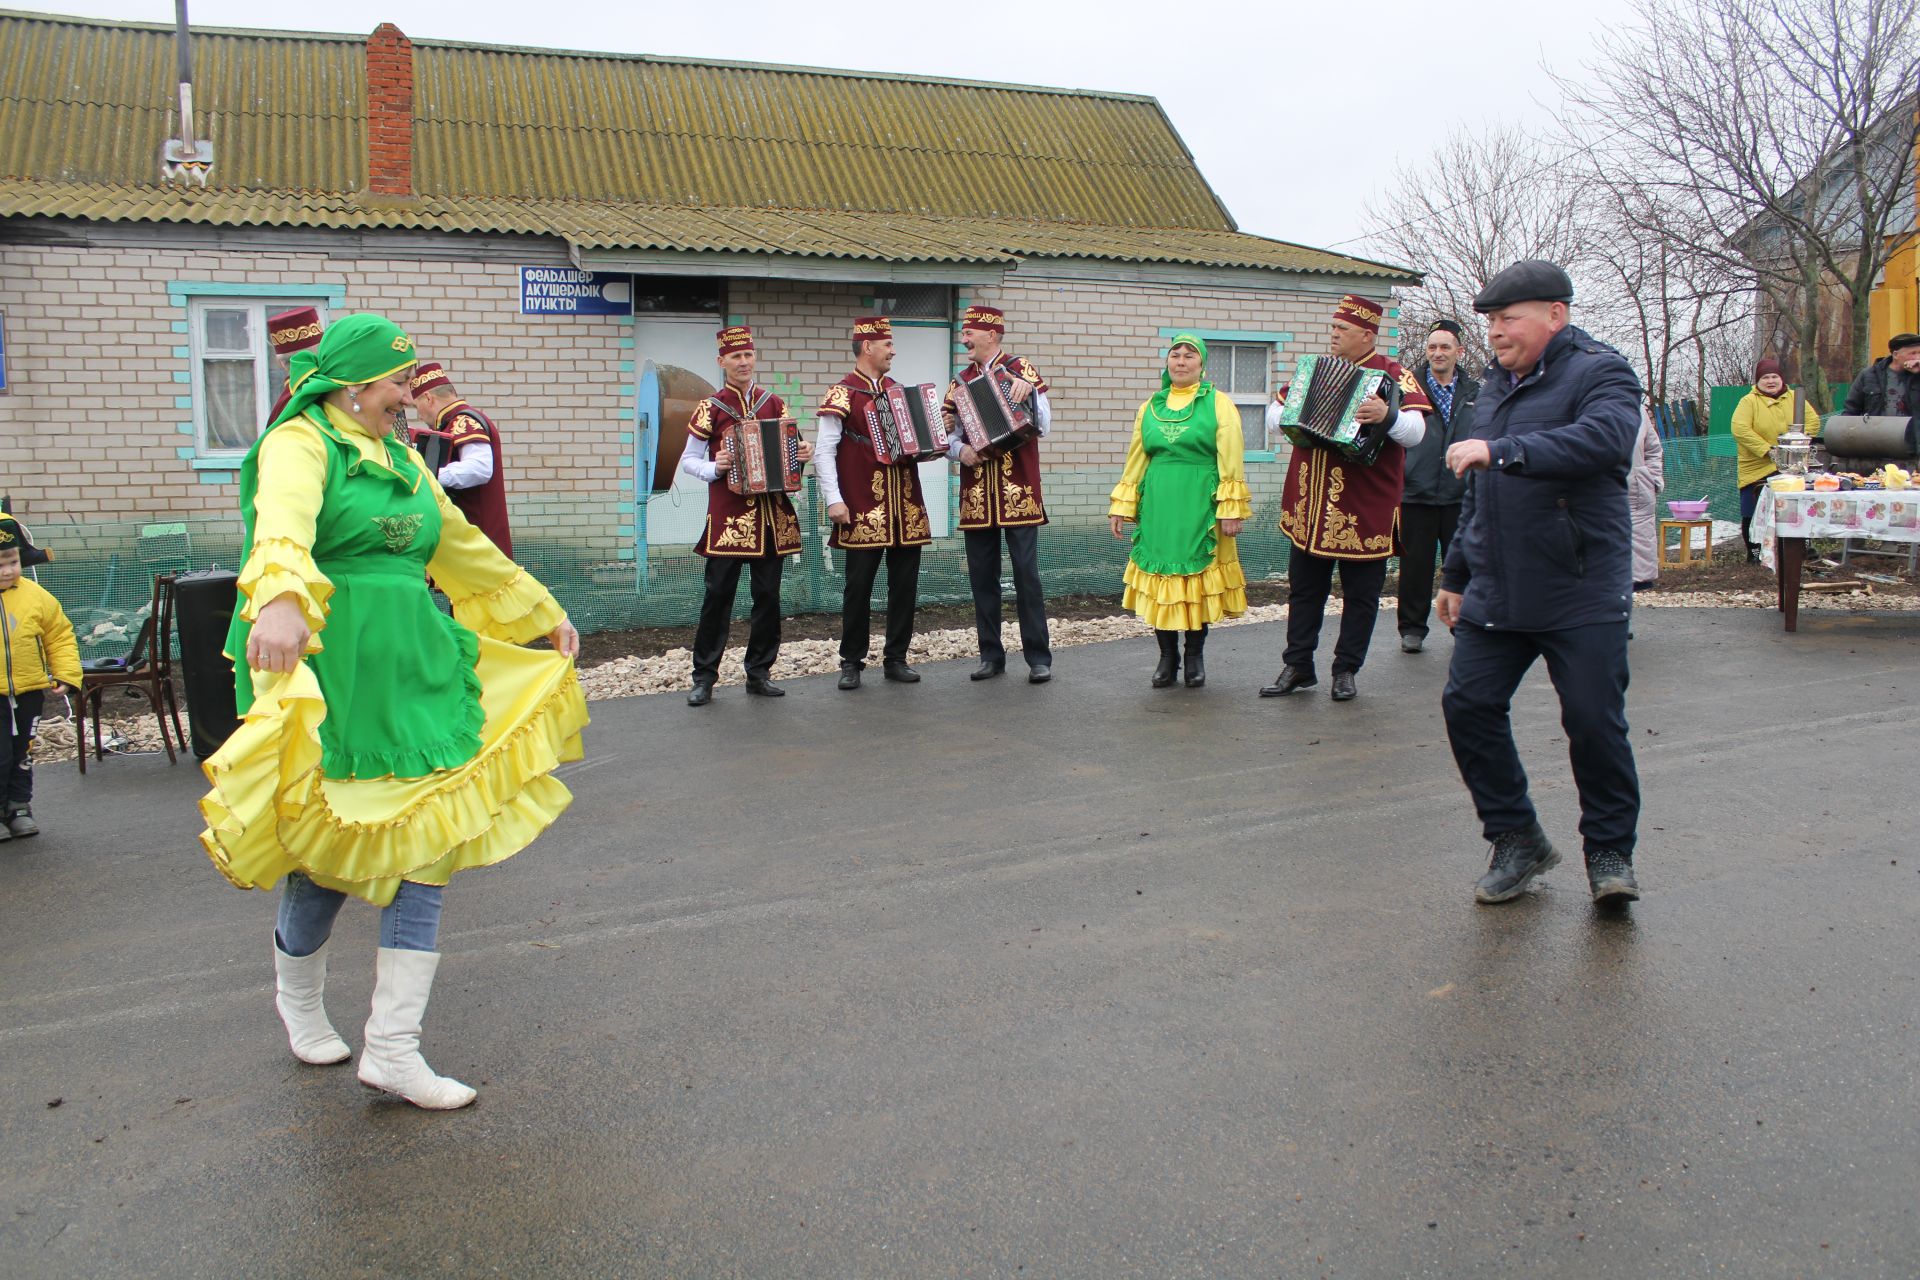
{"x":411,"y":922}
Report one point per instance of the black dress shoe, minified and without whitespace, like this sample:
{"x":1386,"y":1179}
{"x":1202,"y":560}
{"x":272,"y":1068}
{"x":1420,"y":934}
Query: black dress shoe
{"x":901,"y":672}
{"x":1039,"y":673}
{"x":764,"y":687}
{"x":1412,"y":642}
{"x":1343,"y":690}
{"x":988,"y":670}
{"x":1289,"y":679}
{"x":1518,"y":856}
{"x":849,"y":677}
{"x":700,"y":695}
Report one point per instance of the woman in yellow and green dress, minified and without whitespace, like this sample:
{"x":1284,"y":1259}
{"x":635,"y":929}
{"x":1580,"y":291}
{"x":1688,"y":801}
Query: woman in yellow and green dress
{"x":1185,"y":487}
{"x":384,"y":746}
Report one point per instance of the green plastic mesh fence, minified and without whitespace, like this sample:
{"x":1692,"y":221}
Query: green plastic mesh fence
{"x":103,"y":573}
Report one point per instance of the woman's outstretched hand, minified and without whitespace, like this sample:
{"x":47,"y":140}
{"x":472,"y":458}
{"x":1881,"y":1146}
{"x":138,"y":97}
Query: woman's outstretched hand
{"x":279,"y":637}
{"x":565,"y":640}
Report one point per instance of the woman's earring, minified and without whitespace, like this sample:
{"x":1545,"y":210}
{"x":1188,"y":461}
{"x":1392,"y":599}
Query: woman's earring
{"x":356,"y":406}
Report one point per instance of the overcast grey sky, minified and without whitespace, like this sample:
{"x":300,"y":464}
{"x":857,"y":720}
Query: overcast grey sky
{"x":1292,"y":110}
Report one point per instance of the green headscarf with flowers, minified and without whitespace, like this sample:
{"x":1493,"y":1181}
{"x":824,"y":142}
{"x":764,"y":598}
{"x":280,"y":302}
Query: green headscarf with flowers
{"x":352,"y":352}
{"x":1205,"y":388}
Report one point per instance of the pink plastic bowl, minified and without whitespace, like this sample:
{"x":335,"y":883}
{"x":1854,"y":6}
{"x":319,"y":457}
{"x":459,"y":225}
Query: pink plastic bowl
{"x":1695,"y":510}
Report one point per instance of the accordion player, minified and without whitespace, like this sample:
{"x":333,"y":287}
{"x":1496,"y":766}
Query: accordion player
{"x":906,"y":424}
{"x":765,"y":455}
{"x":990,"y":422}
{"x":1323,"y":403}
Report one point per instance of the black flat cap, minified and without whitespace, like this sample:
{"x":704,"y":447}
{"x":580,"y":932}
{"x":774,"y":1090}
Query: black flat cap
{"x":1530,"y":280}
{"x":1901,"y":341}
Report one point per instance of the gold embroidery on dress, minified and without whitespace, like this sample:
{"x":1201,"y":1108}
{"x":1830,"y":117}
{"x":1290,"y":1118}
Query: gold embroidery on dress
{"x":399,"y":531}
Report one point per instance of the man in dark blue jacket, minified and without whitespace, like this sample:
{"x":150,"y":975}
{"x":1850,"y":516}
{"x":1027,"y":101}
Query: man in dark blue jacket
{"x":1542,"y":567}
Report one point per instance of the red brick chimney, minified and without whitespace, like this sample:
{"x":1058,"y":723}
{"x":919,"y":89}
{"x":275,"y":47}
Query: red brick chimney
{"x":389,"y":111}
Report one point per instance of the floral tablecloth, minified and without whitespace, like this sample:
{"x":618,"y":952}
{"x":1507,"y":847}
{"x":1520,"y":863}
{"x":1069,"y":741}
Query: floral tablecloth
{"x":1892,"y":515}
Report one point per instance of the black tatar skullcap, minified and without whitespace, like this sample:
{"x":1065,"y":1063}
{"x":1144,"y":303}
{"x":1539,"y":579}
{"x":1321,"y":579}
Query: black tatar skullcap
{"x":1447,"y":326}
{"x":1900,"y":341}
{"x":1530,"y":280}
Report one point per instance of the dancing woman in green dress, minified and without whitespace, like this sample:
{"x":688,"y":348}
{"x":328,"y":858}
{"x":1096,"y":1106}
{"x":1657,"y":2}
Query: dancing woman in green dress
{"x":1185,"y":489}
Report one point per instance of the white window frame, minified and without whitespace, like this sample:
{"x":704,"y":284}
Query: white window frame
{"x":266,"y":374}
{"x":1253,"y":413}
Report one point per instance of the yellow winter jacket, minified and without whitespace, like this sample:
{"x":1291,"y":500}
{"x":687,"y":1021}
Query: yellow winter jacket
{"x":1759,"y":420}
{"x":38,"y":638}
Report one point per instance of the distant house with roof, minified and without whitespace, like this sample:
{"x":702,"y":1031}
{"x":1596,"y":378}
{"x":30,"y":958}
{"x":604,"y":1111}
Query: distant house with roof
{"x":565,"y":231}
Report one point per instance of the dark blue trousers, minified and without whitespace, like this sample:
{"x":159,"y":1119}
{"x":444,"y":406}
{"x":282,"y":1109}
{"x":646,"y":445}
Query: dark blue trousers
{"x":1588,"y":666}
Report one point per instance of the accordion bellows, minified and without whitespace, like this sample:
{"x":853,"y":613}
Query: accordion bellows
{"x":990,"y":422}
{"x":906,"y":424}
{"x":1323,"y":402}
{"x":765,"y":455}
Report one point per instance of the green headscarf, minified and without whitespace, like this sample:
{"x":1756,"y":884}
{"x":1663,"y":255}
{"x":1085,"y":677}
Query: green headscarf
{"x":352,"y":352}
{"x":1199,"y":344}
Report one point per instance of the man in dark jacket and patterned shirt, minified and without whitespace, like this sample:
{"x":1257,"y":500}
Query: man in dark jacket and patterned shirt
{"x":1430,"y":495}
{"x":1890,"y":386}
{"x":1542,"y":567}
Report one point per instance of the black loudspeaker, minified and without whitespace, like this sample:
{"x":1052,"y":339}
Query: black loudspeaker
{"x":203,"y":606}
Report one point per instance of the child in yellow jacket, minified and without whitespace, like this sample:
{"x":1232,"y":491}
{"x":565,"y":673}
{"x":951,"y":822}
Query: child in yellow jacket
{"x":40,"y":652}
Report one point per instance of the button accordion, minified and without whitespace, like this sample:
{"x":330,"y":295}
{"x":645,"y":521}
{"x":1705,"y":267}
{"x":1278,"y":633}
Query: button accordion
{"x":990,"y":422}
{"x":1323,"y":401}
{"x":764,"y":455}
{"x":435,"y":447}
{"x":905,"y":424}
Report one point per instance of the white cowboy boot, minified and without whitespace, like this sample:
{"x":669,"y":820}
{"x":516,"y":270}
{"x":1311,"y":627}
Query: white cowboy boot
{"x":300,"y":983}
{"x":391,"y":1059}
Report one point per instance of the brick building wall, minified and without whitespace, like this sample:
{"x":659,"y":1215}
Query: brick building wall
{"x":98,"y":427}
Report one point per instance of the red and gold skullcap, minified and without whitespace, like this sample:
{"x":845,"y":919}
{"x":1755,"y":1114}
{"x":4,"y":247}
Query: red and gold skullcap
{"x":735,"y":337}
{"x":294,"y":330}
{"x":980,"y":317}
{"x":1361,"y":313}
{"x":428,"y":376}
{"x":872,"y":329}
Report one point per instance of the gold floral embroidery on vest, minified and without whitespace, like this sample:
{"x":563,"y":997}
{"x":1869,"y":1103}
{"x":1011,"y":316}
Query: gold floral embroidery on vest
{"x":879,"y":486}
{"x":973,"y":498}
{"x":869,"y":527}
{"x":399,"y":531}
{"x":786,"y":529}
{"x":1016,"y":500}
{"x":838,"y":402}
{"x":917,"y":525}
{"x":742,"y":530}
{"x":1339,"y":529}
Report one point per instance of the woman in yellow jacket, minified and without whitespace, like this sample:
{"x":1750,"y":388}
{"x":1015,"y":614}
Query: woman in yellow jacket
{"x":1763,"y":415}
{"x":40,"y":651}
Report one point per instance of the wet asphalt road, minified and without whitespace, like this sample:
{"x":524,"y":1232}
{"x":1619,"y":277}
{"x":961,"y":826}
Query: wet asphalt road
{"x":1081,"y":980}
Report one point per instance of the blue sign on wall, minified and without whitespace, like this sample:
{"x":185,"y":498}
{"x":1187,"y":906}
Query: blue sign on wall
{"x":568,"y":291}
{"x":5,"y":386}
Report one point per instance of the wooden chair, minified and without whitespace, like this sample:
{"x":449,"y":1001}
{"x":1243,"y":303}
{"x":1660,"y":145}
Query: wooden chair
{"x":148,"y":670}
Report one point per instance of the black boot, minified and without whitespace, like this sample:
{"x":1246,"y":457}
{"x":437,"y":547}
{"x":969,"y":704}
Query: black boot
{"x":1169,"y":668}
{"x":1197,"y":657}
{"x":1518,"y":856}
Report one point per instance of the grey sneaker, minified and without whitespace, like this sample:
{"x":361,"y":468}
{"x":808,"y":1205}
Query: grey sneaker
{"x":1518,"y":856}
{"x":1610,"y":874}
{"x":20,"y":823}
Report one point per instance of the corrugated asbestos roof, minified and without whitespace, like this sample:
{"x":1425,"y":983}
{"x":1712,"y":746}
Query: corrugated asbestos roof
{"x":614,"y":152}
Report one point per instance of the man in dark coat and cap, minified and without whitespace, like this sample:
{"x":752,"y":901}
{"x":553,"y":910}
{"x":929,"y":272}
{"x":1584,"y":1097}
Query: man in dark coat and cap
{"x":1542,"y":567}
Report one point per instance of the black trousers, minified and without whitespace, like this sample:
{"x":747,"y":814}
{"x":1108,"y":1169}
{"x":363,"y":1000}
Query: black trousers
{"x":856,"y":603}
{"x":1029,"y":601}
{"x":1309,"y":583}
{"x":1588,"y":666}
{"x":1426,"y":531}
{"x":716,"y":615}
{"x":16,"y":765}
